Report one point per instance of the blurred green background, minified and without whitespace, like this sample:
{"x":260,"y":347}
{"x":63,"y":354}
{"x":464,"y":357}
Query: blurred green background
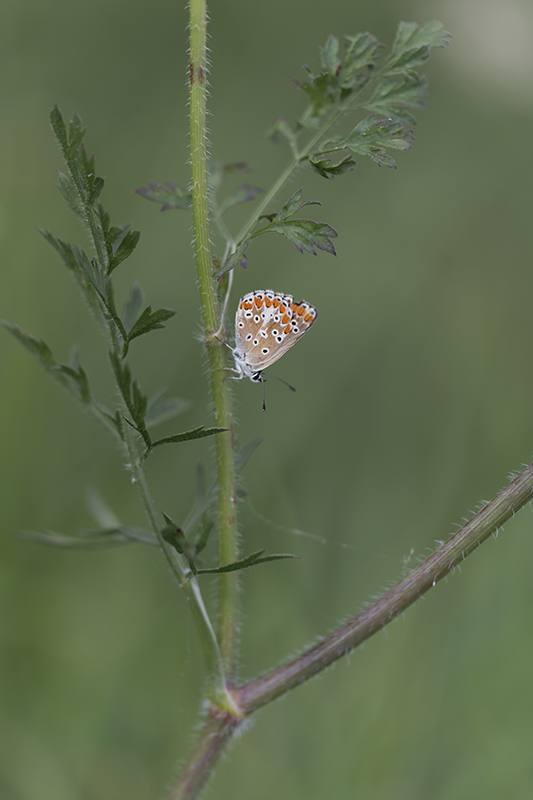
{"x":413,"y":404}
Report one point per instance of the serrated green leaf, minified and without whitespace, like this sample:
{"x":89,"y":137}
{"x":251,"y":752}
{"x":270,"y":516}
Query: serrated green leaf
{"x":394,"y":96}
{"x":69,"y":194}
{"x":76,"y":133}
{"x":293,"y":204}
{"x":150,"y":321}
{"x":78,"y":381}
{"x":135,"y":399}
{"x":71,"y":377}
{"x":361,"y":51}
{"x":64,"y":249}
{"x":307,"y":236}
{"x":373,"y":136}
{"x":89,"y":268}
{"x":168,"y":196}
{"x":162,"y":408}
{"x":412,"y":44}
{"x":326,"y":169}
{"x":91,"y":184}
{"x":59,"y":128}
{"x":329,"y":55}
{"x":123,"y":247}
{"x":37,"y":347}
{"x":140,"y":403}
{"x":133,"y":306}
{"x":96,"y":188}
{"x":187,"y":436}
{"x":245,"y":563}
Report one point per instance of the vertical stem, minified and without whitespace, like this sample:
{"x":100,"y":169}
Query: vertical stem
{"x":227,"y":517}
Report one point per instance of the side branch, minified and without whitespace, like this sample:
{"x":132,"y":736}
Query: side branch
{"x":258,"y":692}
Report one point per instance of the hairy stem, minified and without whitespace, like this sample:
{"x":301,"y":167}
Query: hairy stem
{"x":383,"y":610}
{"x":214,"y":736}
{"x":227,"y":510}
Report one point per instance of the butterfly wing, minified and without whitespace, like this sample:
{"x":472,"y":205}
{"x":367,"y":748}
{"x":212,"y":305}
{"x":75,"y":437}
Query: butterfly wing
{"x":267,"y":324}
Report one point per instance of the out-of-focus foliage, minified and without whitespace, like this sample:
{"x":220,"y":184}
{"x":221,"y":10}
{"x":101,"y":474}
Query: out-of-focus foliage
{"x":413,"y":403}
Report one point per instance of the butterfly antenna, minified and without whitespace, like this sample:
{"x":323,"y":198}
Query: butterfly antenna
{"x":263,"y":382}
{"x":270,"y":375}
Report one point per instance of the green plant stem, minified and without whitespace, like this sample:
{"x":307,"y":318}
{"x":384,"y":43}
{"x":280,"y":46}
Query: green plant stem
{"x":227,"y":506}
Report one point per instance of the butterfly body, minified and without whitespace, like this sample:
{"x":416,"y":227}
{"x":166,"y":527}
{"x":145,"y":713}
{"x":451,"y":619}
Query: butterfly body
{"x":267,"y":324}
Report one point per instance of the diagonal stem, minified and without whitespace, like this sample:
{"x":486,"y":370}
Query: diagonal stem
{"x":492,"y":516}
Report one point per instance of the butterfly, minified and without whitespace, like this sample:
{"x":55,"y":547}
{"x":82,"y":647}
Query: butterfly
{"x":267,"y":324}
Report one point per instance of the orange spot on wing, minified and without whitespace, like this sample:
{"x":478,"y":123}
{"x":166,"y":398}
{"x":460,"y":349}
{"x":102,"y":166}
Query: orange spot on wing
{"x":282,"y":309}
{"x":285,"y":319}
{"x":301,"y":311}
{"x":247,"y":306}
{"x":268,"y":302}
{"x":259,"y":302}
{"x":308,"y":317}
{"x":287,"y":329}
{"x":276,"y":303}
